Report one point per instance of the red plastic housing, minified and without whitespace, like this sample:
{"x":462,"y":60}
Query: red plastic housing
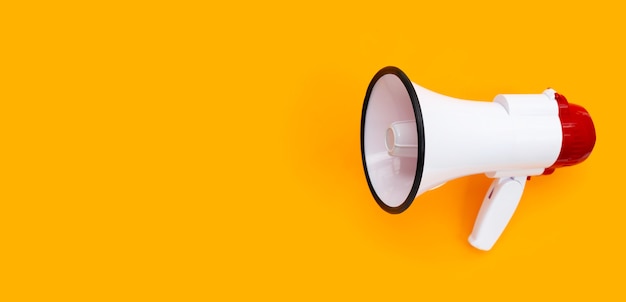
{"x":579,"y":134}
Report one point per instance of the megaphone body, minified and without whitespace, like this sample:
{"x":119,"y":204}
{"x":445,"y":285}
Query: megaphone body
{"x":414,"y":140}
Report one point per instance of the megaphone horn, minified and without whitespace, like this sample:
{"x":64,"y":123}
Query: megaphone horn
{"x":414,"y":140}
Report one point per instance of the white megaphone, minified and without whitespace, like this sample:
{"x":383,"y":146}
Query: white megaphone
{"x":414,"y":140}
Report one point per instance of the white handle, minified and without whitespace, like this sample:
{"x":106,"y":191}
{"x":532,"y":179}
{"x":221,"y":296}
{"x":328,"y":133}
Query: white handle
{"x":496,"y":211}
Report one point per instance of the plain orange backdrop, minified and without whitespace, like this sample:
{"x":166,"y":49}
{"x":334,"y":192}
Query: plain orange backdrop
{"x":193,"y":151}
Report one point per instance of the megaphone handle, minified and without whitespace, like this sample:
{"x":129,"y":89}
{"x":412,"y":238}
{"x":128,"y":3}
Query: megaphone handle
{"x":496,"y":211}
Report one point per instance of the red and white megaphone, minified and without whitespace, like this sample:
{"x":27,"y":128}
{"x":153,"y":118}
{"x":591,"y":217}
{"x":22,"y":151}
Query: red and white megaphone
{"x":414,"y":140}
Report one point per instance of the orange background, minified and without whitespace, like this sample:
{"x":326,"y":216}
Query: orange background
{"x":210,"y":151}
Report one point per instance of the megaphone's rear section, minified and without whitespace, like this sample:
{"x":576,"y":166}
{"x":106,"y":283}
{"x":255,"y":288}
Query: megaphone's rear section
{"x":579,"y":134}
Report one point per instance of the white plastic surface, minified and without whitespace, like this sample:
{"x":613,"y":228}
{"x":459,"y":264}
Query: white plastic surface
{"x":518,"y":135}
{"x":514,"y":136}
{"x":496,"y":211}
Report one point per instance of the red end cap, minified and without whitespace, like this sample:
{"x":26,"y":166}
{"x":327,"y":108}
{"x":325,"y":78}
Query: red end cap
{"x":579,"y":134}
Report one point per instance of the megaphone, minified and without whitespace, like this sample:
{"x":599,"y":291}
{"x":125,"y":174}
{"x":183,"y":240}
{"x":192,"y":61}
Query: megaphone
{"x":414,"y":140}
